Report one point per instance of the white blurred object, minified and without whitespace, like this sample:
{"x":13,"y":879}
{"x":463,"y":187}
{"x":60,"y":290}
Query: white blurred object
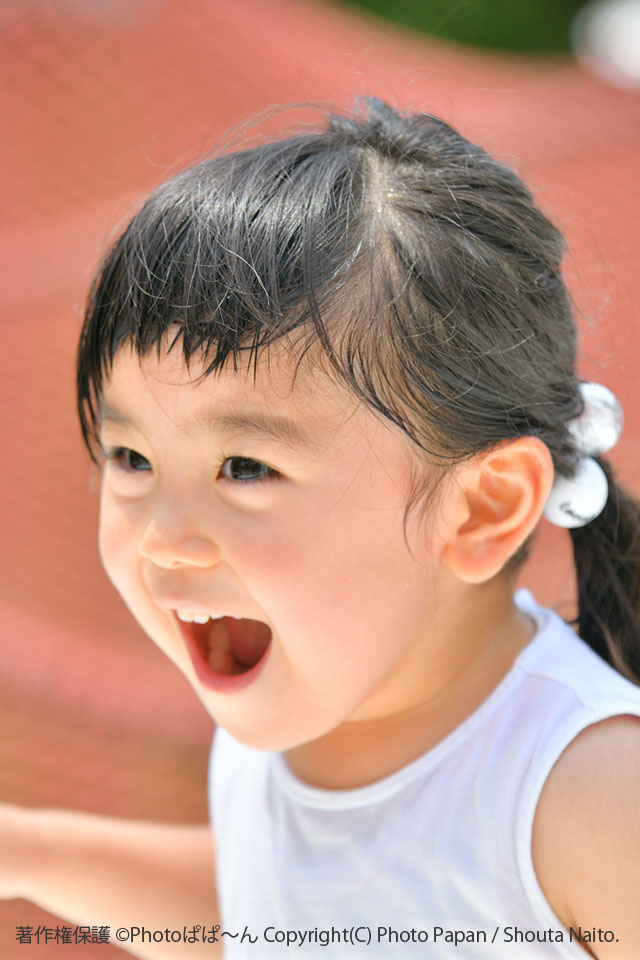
{"x":606,"y":39}
{"x":599,"y":428}
{"x":576,"y":502}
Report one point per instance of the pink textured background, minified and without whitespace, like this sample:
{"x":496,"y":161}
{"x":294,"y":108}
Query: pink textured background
{"x":99,"y":104}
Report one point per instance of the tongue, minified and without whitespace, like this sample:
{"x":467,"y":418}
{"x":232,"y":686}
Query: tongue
{"x":249,"y":640}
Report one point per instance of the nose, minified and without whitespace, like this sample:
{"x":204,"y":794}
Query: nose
{"x":174,"y":538}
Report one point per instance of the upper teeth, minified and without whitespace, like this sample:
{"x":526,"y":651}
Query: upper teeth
{"x":190,"y":616}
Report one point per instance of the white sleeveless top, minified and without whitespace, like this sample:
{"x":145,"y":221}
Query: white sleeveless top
{"x":438,"y":852}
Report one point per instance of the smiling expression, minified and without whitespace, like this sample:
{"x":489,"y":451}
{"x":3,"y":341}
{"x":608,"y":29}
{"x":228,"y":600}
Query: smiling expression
{"x":277,"y":501}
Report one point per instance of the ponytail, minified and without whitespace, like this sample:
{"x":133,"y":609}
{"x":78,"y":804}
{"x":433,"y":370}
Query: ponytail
{"x":607,"y":558}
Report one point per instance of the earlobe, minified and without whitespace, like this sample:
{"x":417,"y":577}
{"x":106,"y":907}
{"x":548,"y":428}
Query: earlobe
{"x":502,"y":495}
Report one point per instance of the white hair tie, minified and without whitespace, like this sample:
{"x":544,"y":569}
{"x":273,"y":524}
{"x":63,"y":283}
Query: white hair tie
{"x":576,"y":501}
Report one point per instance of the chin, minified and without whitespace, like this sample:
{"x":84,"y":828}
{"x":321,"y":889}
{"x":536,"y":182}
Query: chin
{"x":270,"y":737}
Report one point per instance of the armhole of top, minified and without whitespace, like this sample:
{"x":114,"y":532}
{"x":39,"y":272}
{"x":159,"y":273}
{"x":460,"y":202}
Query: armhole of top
{"x":531,"y":793}
{"x":211,"y":777}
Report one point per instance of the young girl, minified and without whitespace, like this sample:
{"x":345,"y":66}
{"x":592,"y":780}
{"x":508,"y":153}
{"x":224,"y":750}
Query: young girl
{"x":332,"y":382}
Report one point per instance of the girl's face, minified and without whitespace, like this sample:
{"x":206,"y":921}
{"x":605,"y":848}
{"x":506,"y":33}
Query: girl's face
{"x":276,"y":502}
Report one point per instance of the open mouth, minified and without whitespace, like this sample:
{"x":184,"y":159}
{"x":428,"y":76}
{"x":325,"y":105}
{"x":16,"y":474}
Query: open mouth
{"x":226,"y":646}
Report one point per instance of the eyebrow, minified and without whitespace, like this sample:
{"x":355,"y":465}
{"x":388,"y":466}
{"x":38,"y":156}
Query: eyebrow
{"x":248,"y":421}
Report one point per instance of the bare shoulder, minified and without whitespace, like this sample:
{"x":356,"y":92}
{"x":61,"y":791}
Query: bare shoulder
{"x":586,"y":836}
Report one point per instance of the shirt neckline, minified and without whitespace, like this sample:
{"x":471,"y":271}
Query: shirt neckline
{"x":322,"y":798}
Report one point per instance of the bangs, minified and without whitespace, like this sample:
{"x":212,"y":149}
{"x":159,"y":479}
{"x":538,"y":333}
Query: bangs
{"x":417,"y":265}
{"x":226,"y":259}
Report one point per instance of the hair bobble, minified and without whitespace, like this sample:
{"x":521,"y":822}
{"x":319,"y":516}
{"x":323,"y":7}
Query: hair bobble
{"x":576,"y":501}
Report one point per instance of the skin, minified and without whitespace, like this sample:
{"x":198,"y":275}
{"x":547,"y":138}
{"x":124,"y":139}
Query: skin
{"x":586,"y":836}
{"x":381,"y":644}
{"x":306,"y":553}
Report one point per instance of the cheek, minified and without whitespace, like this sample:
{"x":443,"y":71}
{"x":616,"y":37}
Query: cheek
{"x":322,"y":569}
{"x":116,"y":541}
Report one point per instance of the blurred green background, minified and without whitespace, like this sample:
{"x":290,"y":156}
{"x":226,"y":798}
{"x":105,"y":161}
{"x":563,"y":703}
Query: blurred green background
{"x":532,"y":26}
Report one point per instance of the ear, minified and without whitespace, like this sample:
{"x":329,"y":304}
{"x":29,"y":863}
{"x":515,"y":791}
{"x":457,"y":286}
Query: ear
{"x":501,"y":496}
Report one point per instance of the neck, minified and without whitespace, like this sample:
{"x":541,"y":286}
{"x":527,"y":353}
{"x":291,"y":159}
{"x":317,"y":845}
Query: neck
{"x":487,"y":633}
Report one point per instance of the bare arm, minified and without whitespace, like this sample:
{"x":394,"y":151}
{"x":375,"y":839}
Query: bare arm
{"x":96,"y":870}
{"x":586,"y":839}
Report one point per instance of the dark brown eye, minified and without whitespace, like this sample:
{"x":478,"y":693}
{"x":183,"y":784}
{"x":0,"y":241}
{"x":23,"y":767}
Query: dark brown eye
{"x":128,"y":459}
{"x":244,"y":469}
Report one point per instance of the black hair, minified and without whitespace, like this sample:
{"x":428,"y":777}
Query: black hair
{"x":421,"y":270}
